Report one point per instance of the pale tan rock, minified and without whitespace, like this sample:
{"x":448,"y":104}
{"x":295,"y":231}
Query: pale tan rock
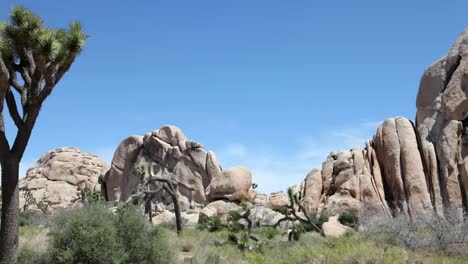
{"x":166,"y":151}
{"x":278,"y":200}
{"x":218,"y":208}
{"x":333,"y":228}
{"x":189,"y":219}
{"x":261,"y":199}
{"x":232,"y":184}
{"x":60,"y":176}
{"x":312,"y":191}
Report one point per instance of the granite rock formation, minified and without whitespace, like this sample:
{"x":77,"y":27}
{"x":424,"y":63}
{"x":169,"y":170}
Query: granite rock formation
{"x":198,"y":173}
{"x":60,"y":176}
{"x":407,"y":168}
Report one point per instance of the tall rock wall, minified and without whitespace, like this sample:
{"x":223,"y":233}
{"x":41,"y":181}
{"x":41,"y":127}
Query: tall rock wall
{"x":407,"y":169}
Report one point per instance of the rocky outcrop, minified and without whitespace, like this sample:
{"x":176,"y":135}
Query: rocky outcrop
{"x":441,"y":122}
{"x":166,"y":148}
{"x":60,"y":176}
{"x":170,"y":153}
{"x":406,"y":169}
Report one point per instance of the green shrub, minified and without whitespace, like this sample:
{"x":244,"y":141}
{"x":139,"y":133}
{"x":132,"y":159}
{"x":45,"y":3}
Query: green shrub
{"x":267,"y":232}
{"x":93,"y":234}
{"x":212,"y":224}
{"x":348,"y":219}
{"x":86,"y":235}
{"x":28,"y":255}
{"x":143,"y":243}
{"x":25,"y":218}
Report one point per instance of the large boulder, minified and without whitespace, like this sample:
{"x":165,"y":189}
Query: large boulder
{"x":60,"y":176}
{"x":218,"y":208}
{"x":333,"y":228}
{"x":166,"y":151}
{"x":232,"y":184}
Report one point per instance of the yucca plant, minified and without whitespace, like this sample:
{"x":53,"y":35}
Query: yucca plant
{"x":33,"y":59}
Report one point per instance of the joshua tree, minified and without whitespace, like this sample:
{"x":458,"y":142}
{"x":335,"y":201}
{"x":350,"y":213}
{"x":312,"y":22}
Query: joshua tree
{"x":293,"y":216}
{"x":145,"y":194}
{"x":33,"y":59}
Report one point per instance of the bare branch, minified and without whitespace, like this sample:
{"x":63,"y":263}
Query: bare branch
{"x":13,"y":109}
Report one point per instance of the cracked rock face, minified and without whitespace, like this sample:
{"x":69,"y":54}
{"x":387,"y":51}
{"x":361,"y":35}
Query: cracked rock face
{"x":59,"y":177}
{"x":407,"y":169}
{"x":197,"y":170}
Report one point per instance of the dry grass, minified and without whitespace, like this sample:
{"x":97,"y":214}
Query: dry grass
{"x":33,"y":238}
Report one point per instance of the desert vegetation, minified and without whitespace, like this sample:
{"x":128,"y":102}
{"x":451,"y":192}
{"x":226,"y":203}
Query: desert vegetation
{"x":97,"y":233}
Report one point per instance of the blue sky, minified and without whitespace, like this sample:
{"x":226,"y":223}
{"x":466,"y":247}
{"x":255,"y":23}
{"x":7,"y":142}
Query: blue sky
{"x":272,"y":85}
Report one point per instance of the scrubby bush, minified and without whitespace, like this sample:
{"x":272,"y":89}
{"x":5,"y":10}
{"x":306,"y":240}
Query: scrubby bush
{"x":348,"y":219}
{"x":447,"y":235}
{"x":212,"y":224}
{"x":267,"y":232}
{"x":94,"y":234}
{"x":28,"y":255}
{"x":142,"y":243}
{"x":86,"y":235}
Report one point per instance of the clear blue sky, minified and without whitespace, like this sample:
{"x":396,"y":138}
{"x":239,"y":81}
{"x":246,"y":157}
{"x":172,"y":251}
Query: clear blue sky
{"x":273,"y":85}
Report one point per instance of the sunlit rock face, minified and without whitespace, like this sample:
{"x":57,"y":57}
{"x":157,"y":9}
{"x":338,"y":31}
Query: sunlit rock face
{"x":60,"y":176}
{"x":167,"y":150}
{"x":407,"y":168}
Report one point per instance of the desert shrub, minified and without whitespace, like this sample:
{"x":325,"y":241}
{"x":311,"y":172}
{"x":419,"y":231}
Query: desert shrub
{"x":447,"y":235}
{"x":92,"y":197}
{"x":25,"y":218}
{"x":142,"y":242}
{"x":295,"y":232}
{"x":86,"y":235}
{"x":317,"y":220}
{"x":34,"y":218}
{"x":212,"y":224}
{"x":348,"y":219}
{"x":267,"y":232}
{"x":94,"y":234}
{"x":28,"y":255}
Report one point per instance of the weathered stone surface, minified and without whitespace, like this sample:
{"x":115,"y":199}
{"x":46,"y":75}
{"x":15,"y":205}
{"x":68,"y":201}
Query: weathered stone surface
{"x":312,"y":191}
{"x":333,"y":228}
{"x":60,"y":176}
{"x":441,"y":122}
{"x":278,"y":200}
{"x":232,"y":184}
{"x":261,"y":199}
{"x":218,"y":208}
{"x":166,"y":150}
{"x":189,"y":219}
{"x":265,"y":216}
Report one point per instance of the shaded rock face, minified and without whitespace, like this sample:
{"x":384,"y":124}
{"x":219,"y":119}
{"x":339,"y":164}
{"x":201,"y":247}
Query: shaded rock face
{"x":59,"y":177}
{"x":168,"y":148}
{"x":442,"y":125}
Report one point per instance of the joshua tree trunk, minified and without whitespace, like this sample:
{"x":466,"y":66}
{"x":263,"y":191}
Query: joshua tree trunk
{"x":169,"y":188}
{"x":9,"y":233}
